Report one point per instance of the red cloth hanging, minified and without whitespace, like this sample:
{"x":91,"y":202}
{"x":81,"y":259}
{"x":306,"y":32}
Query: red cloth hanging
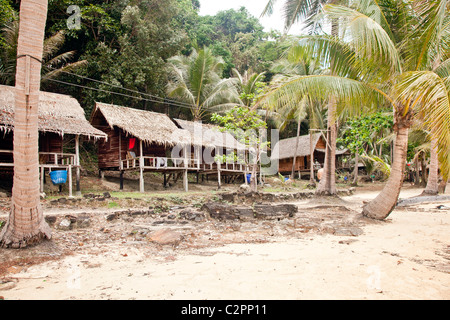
{"x":131,"y":143}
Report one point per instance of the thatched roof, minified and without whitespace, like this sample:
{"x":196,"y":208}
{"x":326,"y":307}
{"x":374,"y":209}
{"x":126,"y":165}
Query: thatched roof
{"x":57,"y":113}
{"x":148,"y":126}
{"x":285,"y":148}
{"x":209,"y":135}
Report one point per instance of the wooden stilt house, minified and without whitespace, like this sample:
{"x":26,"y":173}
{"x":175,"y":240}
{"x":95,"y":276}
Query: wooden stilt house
{"x":60,"y":118}
{"x":310,"y":152}
{"x":140,"y":140}
{"x":210,"y":142}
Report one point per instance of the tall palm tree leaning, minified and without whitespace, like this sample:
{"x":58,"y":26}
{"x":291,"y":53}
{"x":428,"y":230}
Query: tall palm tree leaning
{"x":196,"y":80}
{"x":294,"y":11}
{"x":26,"y":224}
{"x":381,"y":59}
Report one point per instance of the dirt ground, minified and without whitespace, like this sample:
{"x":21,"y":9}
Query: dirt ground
{"x":326,"y":251}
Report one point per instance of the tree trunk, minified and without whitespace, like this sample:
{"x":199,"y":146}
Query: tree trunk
{"x":356,"y":170}
{"x":432,"y":187}
{"x":26,"y":224}
{"x":296,"y":149}
{"x":327,"y":185}
{"x":381,"y":207}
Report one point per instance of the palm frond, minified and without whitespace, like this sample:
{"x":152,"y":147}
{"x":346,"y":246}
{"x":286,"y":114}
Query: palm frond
{"x":368,"y":38}
{"x":428,"y":96}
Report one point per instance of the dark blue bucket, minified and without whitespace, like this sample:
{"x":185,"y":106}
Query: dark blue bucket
{"x":58,"y":177}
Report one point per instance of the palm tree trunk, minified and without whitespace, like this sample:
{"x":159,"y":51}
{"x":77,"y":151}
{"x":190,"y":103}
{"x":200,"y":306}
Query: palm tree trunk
{"x":327,"y":185}
{"x":382,"y":206}
{"x":296,"y":149}
{"x":356,"y":170}
{"x":26,"y":224}
{"x":432,"y":187}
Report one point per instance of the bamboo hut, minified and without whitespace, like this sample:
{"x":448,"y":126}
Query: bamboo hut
{"x":140,"y":140}
{"x":208,"y":142}
{"x":59,"y":116}
{"x":310,"y":154}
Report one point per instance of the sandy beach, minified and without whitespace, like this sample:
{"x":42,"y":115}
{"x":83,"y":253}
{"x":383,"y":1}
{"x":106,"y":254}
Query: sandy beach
{"x":405,"y":257}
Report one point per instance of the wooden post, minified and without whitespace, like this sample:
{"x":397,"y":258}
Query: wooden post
{"x":218,"y":175}
{"x":121,"y":179}
{"x":42,"y":178}
{"x":185,"y":175}
{"x":141,"y":168}
{"x":77,"y":165}
{"x":70,"y":181}
{"x":311,"y":159}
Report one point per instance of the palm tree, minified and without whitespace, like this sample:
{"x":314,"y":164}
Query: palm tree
{"x":26,"y":224}
{"x":375,"y":65}
{"x":195,"y":80}
{"x":295,"y":62}
{"x":294,"y":11}
{"x":248,"y":85}
{"x":53,"y":63}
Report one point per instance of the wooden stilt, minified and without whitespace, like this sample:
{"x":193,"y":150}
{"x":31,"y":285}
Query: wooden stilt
{"x":141,"y":168}
{"x":218,"y":175}
{"x":70,"y":181}
{"x":121,"y":180}
{"x":77,"y":165}
{"x":42,"y":179}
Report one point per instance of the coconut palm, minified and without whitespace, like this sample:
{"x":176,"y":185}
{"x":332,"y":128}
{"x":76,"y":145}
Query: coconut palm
{"x":296,"y":61}
{"x":295,"y":11}
{"x":376,"y":65}
{"x":53,"y":62}
{"x":196,"y":81}
{"x":248,"y":85}
{"x":26,"y":224}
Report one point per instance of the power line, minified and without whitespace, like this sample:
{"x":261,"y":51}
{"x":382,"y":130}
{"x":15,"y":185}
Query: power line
{"x":120,"y":94}
{"x":164,"y":100}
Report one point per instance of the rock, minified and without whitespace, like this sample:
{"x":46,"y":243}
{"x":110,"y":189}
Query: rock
{"x":42,"y":195}
{"x":62,"y":200}
{"x":111,"y":216}
{"x":65,"y":224}
{"x":50,"y":219}
{"x":166,"y":237}
{"x":271,"y":212}
{"x":3,"y":195}
{"x":348,"y":231}
{"x":83,"y":221}
{"x":228,"y":197}
{"x":244,"y":187}
{"x":106,"y":195}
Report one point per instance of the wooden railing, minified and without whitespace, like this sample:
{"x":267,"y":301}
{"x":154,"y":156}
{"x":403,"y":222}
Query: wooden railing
{"x":179,"y":163}
{"x":46,"y":159}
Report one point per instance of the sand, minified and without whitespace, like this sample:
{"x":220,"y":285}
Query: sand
{"x":405,"y":257}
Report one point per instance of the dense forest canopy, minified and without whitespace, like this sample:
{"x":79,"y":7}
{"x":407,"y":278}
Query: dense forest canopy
{"x":123,"y":46}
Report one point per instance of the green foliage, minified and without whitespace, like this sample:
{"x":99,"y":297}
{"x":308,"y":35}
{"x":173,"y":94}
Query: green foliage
{"x":367,"y":133}
{"x":244,"y":124}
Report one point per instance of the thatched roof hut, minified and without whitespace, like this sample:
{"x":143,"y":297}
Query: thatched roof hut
{"x":148,"y":126}
{"x":209,"y":135}
{"x":285,"y":148}
{"x":58,"y":113}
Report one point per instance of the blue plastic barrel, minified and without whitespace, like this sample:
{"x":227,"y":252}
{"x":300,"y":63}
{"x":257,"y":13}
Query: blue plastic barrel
{"x":249,"y":176}
{"x":58,"y":177}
